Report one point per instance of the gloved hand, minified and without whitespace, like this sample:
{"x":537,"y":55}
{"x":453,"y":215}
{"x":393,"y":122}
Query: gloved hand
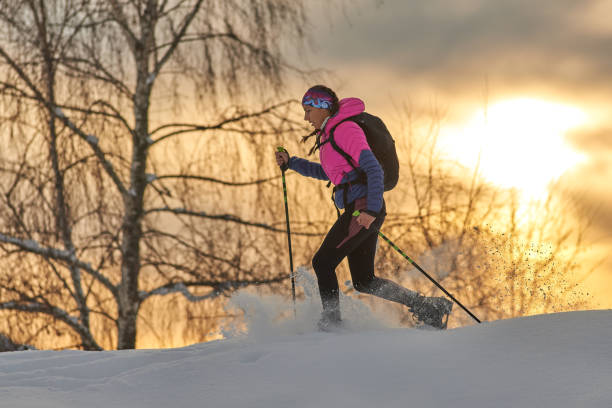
{"x":282,"y":159}
{"x":365,"y":220}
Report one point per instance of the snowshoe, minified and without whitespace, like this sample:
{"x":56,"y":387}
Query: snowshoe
{"x":433,"y":311}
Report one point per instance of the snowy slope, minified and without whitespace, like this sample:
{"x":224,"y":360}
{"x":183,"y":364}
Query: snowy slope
{"x":560,"y":360}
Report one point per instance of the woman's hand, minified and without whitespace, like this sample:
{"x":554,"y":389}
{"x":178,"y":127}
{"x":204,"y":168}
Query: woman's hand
{"x":365,"y":220}
{"x":282,"y":158}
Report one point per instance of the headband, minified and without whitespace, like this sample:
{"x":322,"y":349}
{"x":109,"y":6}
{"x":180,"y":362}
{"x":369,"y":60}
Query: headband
{"x":317,"y":99}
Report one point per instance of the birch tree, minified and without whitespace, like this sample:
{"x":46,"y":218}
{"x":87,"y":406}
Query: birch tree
{"x":105,"y":106}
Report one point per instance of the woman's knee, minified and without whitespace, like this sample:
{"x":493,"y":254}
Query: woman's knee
{"x":364,"y":286}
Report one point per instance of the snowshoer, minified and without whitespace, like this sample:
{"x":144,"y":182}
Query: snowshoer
{"x":350,"y":236}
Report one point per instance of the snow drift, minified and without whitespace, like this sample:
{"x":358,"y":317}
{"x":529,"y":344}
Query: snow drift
{"x":559,"y":360}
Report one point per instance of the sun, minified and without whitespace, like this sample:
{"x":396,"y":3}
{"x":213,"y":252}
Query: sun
{"x":517,"y":143}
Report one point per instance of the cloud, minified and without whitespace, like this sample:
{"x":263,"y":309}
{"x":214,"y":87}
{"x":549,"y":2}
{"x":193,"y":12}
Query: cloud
{"x":595,"y":142}
{"x":458,"y":42}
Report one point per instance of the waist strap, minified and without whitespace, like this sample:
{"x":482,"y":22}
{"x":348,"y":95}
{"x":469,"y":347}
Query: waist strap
{"x":345,"y":188}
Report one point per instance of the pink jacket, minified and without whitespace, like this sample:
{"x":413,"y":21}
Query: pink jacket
{"x":348,"y":136}
{"x":334,"y":167}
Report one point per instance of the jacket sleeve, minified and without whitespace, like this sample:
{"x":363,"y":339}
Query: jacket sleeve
{"x":307,"y":168}
{"x":375,"y":175}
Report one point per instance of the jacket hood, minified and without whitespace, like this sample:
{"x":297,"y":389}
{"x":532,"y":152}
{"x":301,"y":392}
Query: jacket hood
{"x":348,"y":107}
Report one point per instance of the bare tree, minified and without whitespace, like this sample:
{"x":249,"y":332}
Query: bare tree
{"x":104,"y":155}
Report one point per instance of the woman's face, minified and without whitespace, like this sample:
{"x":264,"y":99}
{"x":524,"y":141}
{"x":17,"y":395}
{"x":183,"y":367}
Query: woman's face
{"x":315,"y":116}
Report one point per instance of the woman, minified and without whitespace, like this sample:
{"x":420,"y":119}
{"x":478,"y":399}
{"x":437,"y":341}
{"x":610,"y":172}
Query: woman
{"x":350,"y":236}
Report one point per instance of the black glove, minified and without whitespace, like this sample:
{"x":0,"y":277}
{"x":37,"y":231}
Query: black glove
{"x":282,"y":159}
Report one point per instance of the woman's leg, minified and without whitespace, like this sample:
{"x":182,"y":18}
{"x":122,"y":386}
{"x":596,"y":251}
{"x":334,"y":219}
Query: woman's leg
{"x":429,"y":310}
{"x":361,"y":264}
{"x":329,"y":256}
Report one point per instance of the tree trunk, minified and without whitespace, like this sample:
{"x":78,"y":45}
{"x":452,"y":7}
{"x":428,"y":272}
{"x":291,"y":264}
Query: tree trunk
{"x":129,"y":299}
{"x":129,"y":302}
{"x":128,"y":315}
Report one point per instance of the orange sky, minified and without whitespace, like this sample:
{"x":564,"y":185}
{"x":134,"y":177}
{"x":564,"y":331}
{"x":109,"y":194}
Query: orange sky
{"x":541,"y":69}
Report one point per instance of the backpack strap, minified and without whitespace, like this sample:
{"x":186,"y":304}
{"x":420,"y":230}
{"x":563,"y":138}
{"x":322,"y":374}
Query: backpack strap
{"x":337,"y":148}
{"x":362,"y":178}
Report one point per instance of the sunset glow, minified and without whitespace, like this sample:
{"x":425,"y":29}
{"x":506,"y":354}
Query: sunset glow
{"x":517,"y":143}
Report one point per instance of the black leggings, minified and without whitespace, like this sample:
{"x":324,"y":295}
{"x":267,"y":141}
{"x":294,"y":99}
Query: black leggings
{"x":360,"y":250}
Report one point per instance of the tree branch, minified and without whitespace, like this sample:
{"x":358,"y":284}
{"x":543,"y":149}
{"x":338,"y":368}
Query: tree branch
{"x":60,"y":255}
{"x":91,"y":140}
{"x":55,"y":312}
{"x":191,"y":247}
{"x":227,"y":217}
{"x":218,"y":288}
{"x":214,"y":180}
{"x":189,"y":127}
{"x":178,"y":38}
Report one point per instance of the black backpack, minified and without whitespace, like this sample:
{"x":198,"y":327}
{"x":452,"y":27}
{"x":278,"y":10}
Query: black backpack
{"x":380,"y":141}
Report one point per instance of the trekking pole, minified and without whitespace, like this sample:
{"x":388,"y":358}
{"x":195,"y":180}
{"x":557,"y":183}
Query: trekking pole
{"x":356,"y":213}
{"x":284,"y":168}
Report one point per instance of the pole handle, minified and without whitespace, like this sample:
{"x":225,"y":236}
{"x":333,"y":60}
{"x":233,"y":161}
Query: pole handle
{"x":285,"y":166}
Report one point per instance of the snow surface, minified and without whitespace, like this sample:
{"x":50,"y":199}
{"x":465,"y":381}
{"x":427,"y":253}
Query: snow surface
{"x":557,"y":360}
